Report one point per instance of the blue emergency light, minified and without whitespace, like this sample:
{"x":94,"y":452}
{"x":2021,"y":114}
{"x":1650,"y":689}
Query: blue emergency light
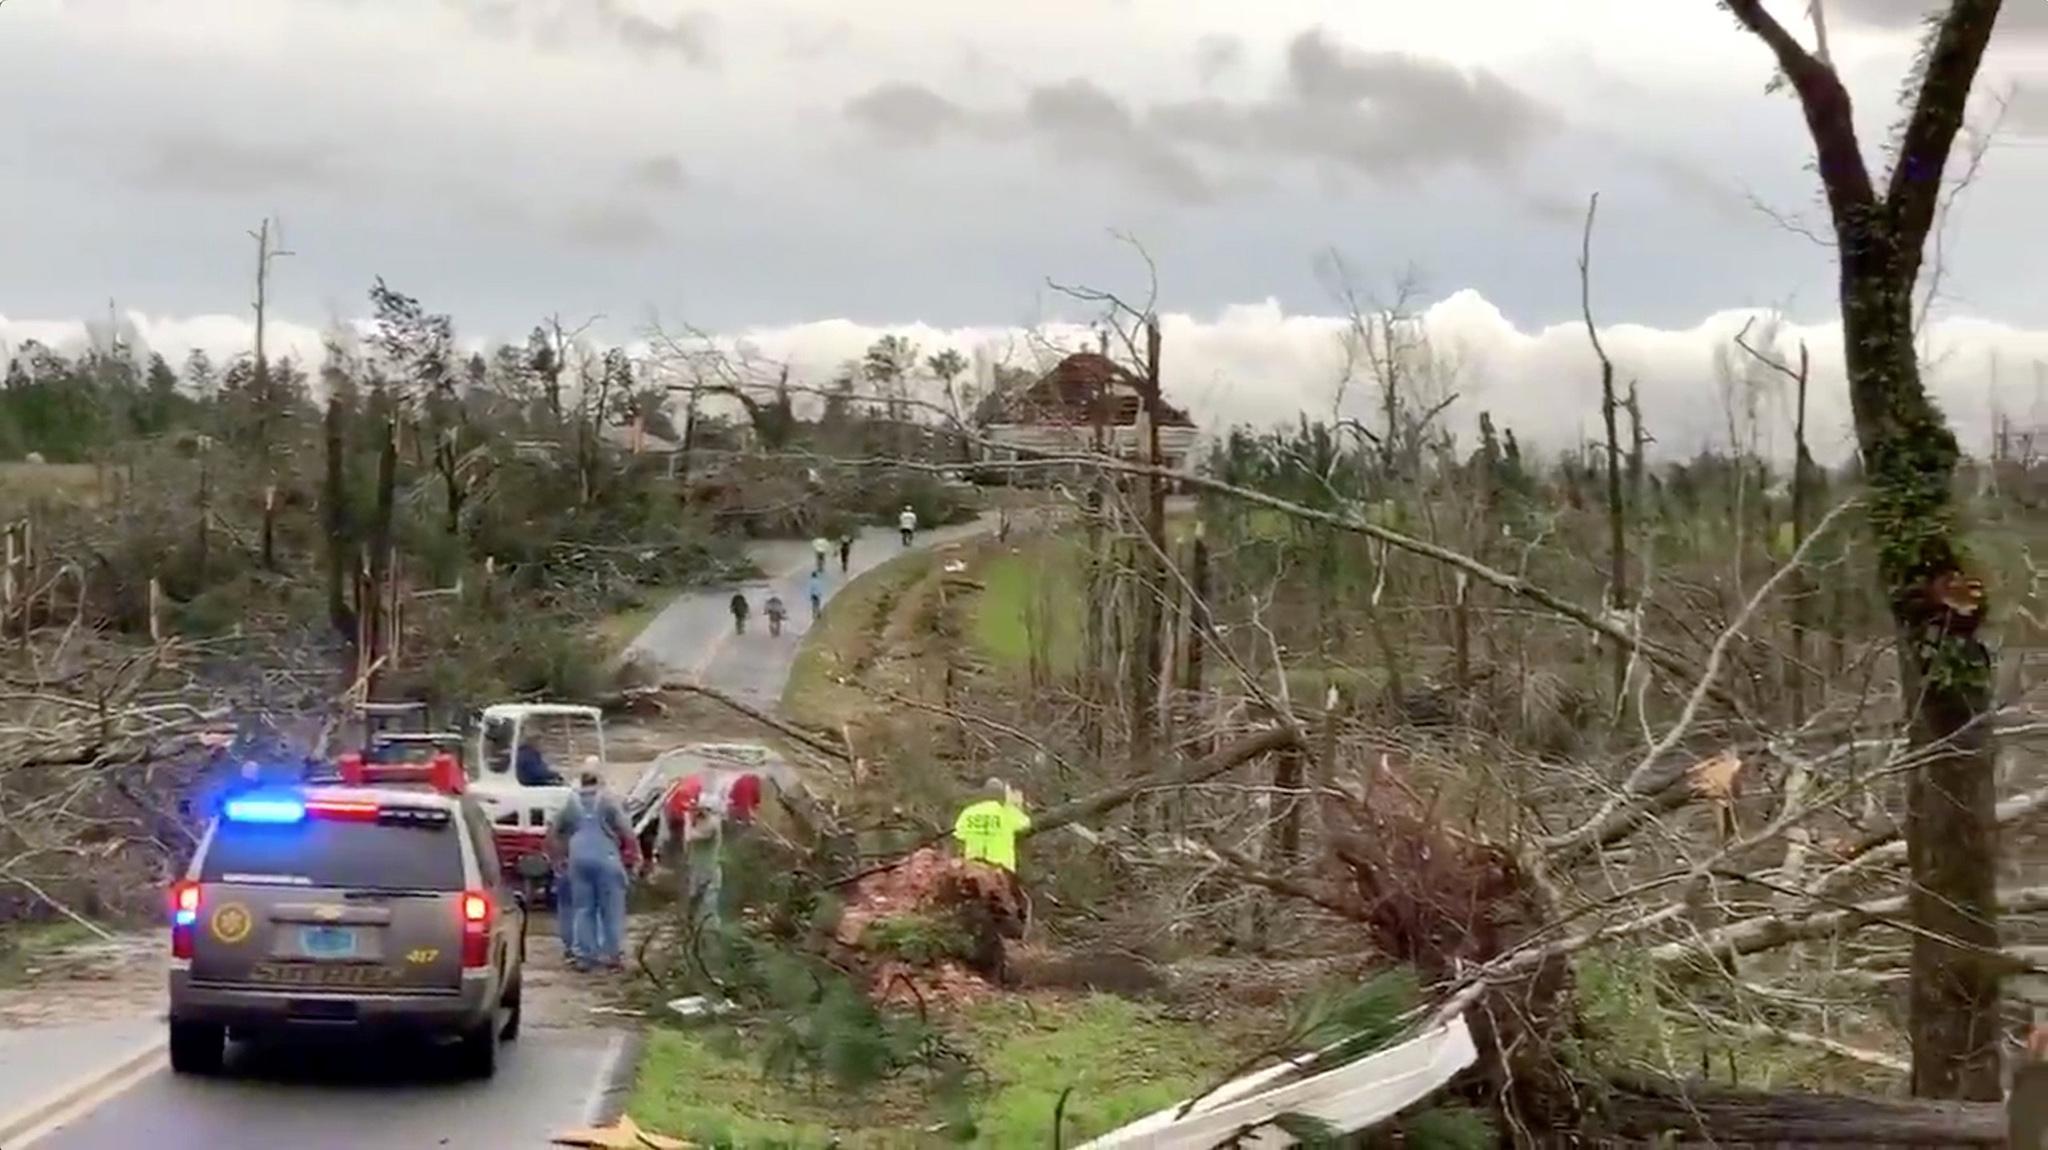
{"x":274,"y":809}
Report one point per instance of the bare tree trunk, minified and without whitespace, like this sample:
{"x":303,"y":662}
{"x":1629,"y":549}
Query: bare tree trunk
{"x":1145,"y":654}
{"x":1802,"y":583}
{"x":689,"y":443}
{"x":1094,"y":604}
{"x":1198,"y":620}
{"x":447,"y":462}
{"x":551,"y":380}
{"x":262,"y":381}
{"x":205,"y":512}
{"x":269,"y":552}
{"x":375,"y":624}
{"x":1637,"y":439}
{"x":1617,"y":519}
{"x":1909,"y":458}
{"x":340,"y":534}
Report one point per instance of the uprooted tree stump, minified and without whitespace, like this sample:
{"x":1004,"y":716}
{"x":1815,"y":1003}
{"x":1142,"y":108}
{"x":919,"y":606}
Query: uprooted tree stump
{"x":932,"y":927}
{"x":1443,"y":904}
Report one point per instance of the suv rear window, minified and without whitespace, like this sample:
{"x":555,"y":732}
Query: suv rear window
{"x":323,"y":852}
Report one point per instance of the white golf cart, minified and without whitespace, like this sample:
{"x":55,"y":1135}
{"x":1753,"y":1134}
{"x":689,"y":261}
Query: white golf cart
{"x":555,"y":738}
{"x":711,"y":760}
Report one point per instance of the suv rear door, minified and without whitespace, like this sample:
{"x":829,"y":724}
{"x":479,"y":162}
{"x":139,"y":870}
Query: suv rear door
{"x":364,"y":901}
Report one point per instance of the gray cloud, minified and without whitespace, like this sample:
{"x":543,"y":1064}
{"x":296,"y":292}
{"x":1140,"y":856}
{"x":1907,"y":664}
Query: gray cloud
{"x":810,"y":41}
{"x":1217,"y":56}
{"x":904,"y":113}
{"x":687,"y":35}
{"x":658,"y":173}
{"x":201,"y":162}
{"x":612,"y":226}
{"x":2016,"y":16}
{"x":1381,"y":113}
{"x":557,"y":23}
{"x":1700,"y":185}
{"x":1081,"y":120}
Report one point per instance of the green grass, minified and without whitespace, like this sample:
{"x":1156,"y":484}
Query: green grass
{"x":842,"y":639}
{"x":1027,"y":604}
{"x":1122,"y":1060}
{"x":24,"y":946}
{"x":23,"y":485}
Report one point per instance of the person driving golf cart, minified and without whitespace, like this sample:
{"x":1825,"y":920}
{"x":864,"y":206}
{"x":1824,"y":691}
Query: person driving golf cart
{"x":531,"y":767}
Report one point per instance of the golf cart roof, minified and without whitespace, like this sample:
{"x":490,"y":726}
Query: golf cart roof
{"x":508,"y":712}
{"x":417,"y":737}
{"x":746,"y":754}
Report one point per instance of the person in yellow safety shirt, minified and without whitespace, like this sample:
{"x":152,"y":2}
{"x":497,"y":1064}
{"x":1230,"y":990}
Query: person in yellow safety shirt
{"x":987,"y":830}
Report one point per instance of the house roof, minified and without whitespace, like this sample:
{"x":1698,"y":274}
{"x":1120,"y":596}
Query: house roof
{"x":626,"y":439}
{"x":1067,"y":395}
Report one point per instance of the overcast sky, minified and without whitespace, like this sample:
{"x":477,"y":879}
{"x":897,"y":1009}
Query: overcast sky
{"x":774,"y":165}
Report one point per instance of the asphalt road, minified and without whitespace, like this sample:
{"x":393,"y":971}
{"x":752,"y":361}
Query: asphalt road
{"x":693,"y":636}
{"x":339,"y":1098}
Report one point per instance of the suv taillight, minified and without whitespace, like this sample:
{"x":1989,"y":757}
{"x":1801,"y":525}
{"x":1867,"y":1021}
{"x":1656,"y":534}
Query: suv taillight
{"x":184,"y":917}
{"x":476,"y":911}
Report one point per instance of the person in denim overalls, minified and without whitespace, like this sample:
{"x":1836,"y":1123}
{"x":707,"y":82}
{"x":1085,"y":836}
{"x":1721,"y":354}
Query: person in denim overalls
{"x":592,"y":830}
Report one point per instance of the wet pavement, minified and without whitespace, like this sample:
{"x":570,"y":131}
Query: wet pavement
{"x":342,"y":1097}
{"x":693,"y":637}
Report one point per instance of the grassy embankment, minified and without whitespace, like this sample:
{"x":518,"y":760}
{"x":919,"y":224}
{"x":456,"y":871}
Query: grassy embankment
{"x":1121,"y":1059}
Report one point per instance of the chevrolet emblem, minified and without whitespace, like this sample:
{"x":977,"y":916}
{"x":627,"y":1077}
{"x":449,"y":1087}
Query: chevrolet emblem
{"x":327,"y":913}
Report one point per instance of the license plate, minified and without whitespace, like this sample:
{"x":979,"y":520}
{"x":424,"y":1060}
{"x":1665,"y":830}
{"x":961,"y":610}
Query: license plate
{"x":328,"y":941}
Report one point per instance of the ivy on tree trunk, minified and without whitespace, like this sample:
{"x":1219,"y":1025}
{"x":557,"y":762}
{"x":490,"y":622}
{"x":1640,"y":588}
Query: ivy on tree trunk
{"x":1909,"y":459}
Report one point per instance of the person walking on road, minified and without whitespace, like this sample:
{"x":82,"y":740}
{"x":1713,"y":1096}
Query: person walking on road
{"x":775,"y":612}
{"x":739,"y":612}
{"x":592,"y":832}
{"x":817,"y":590}
{"x":907,"y":523}
{"x":845,"y":552}
{"x":821,"y":547}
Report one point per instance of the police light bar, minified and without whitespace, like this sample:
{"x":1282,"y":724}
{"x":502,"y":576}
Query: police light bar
{"x":442,"y":772}
{"x":259,"y":808}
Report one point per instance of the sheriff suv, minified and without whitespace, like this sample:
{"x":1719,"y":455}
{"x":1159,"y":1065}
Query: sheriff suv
{"x":367,"y":904}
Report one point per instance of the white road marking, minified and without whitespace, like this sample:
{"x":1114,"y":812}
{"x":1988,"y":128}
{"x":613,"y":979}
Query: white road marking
{"x":608,"y":1069}
{"x":94,"y":1091}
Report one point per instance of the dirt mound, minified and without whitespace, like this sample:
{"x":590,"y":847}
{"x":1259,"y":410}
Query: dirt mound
{"x":933,"y":927}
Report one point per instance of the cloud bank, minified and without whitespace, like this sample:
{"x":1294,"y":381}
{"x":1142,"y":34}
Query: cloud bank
{"x":1256,"y":364}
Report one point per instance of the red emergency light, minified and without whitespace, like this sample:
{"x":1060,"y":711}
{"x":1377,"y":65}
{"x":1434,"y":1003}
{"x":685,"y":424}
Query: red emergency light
{"x":442,"y":772}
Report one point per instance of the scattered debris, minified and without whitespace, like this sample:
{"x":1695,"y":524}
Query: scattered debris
{"x":699,"y":1006}
{"x":624,"y":1134}
{"x":1716,"y":778}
